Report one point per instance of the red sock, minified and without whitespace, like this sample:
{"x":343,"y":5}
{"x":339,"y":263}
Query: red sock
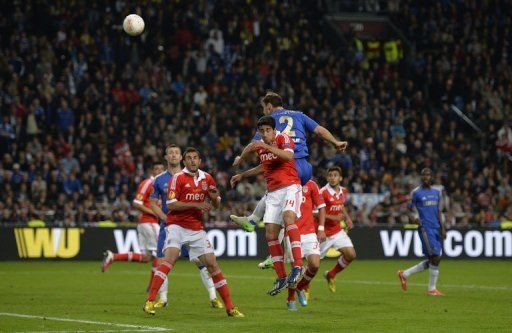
{"x":159,"y":278}
{"x":130,"y":256}
{"x":291,"y":295}
{"x":340,"y":265}
{"x":221,"y":285}
{"x":293,"y":233}
{"x":306,"y":279}
{"x":154,"y":265}
{"x":276,"y":252}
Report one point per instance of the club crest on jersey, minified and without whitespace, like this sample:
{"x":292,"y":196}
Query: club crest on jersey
{"x":172,"y":195}
{"x":204,"y":186}
{"x":140,"y":196}
{"x":304,"y":189}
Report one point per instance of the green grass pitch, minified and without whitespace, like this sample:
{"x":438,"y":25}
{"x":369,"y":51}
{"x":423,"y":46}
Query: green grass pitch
{"x":369,"y":299}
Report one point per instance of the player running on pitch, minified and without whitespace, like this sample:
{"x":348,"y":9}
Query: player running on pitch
{"x":335,"y":197}
{"x":159,"y":194}
{"x":283,"y":199}
{"x":431,"y":230}
{"x":147,"y":229}
{"x":191,"y":193}
{"x":312,"y":201}
{"x":296,"y":125}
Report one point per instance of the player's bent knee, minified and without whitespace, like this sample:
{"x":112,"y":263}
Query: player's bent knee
{"x":350,"y":254}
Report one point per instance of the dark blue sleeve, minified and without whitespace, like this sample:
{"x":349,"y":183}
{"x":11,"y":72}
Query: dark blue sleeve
{"x":154,"y":194}
{"x":309,"y":124}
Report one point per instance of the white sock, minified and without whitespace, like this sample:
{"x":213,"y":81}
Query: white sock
{"x":208,"y":283}
{"x":433,"y":275}
{"x":416,"y":268}
{"x":259,"y":211}
{"x":162,"y":293}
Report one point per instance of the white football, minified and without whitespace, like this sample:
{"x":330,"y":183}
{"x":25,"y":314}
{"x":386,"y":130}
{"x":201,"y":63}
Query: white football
{"x":133,"y":25}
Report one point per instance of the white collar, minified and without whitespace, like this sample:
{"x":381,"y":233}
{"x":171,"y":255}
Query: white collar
{"x":200,"y":174}
{"x":332,"y":191}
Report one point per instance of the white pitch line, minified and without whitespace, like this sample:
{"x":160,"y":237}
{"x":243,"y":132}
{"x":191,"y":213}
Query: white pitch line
{"x":365,"y":282}
{"x":259,"y":277}
{"x":138,"y":328}
{"x":81,"y":331}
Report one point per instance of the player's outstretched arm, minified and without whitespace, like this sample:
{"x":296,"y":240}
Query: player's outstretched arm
{"x":157,"y":211}
{"x":248,"y":173}
{"x":325,"y":134}
{"x":244,"y":156}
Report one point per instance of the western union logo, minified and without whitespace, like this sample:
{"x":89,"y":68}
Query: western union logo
{"x":48,"y":243}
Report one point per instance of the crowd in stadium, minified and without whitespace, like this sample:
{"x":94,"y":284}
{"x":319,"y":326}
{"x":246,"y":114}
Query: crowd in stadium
{"x":85,"y":109}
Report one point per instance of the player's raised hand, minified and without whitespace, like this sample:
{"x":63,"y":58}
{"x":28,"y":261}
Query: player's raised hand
{"x":235,"y":179}
{"x":237,"y":161}
{"x":341,"y":145}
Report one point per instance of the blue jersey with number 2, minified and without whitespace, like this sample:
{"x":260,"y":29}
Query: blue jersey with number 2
{"x":296,"y":125}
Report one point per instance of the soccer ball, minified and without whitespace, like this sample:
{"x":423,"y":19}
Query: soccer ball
{"x":133,"y":25}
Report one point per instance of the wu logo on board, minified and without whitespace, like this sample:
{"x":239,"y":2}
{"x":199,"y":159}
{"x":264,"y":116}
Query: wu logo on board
{"x":48,"y":243}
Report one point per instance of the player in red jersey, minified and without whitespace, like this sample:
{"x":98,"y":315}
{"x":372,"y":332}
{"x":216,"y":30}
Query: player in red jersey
{"x":335,"y":197}
{"x":283,"y":199}
{"x":312,"y":201}
{"x":147,"y":229}
{"x":190,"y":193}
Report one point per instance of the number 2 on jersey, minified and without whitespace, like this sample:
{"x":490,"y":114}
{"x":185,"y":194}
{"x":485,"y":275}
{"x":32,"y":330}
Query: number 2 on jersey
{"x":289,"y":124}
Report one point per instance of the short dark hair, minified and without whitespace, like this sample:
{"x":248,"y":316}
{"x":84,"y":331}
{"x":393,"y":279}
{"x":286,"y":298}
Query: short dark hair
{"x":267,"y":121}
{"x":172,"y":145}
{"x":425,"y":170}
{"x":272,"y":98}
{"x":191,"y":150}
{"x":335,"y":168}
{"x":158,"y":163}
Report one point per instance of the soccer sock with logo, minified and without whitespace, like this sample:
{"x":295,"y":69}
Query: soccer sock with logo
{"x":340,"y":265}
{"x":222,"y":287}
{"x":306,"y":279}
{"x":276,"y":252}
{"x":433,"y":275}
{"x":416,"y":268}
{"x":130,"y":256}
{"x":159,"y":278}
{"x":207,"y":281}
{"x":293,"y":233}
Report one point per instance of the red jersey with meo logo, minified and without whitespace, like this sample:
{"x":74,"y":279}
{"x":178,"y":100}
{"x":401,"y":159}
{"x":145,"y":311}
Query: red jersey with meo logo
{"x":142,"y":198}
{"x":187,"y":187}
{"x":311,"y":200}
{"x":279,"y":173}
{"x":334,"y":202}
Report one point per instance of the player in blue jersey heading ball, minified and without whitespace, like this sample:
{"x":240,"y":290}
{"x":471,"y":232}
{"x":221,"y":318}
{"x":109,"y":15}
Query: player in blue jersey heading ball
{"x":296,"y":125}
{"x":427,"y":201}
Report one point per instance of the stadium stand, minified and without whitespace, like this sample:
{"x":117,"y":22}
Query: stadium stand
{"x":85,"y":109}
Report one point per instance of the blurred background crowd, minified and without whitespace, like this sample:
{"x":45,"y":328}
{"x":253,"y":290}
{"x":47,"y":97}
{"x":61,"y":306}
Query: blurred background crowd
{"x":86,"y":109}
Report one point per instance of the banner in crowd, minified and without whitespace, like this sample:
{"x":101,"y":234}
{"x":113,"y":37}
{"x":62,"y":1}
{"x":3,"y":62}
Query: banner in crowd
{"x":370,"y":243}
